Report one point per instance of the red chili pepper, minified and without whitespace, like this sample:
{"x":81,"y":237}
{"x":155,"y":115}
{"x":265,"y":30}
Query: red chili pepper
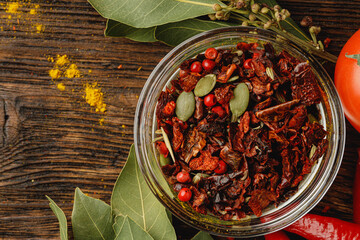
{"x":315,"y":227}
{"x":356,"y":192}
{"x":279,"y":235}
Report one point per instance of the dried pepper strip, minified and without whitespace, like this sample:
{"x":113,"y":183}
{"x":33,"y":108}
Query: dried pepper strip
{"x":247,"y":159}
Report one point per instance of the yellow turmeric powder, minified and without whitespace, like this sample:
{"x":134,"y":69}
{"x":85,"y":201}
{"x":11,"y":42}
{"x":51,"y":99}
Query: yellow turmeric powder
{"x":62,"y":60}
{"x":72,"y":71}
{"x":94,"y":97}
{"x":55,"y":73}
{"x":39,"y":28}
{"x":33,"y":10}
{"x":61,"y":86}
{"x":12,"y":7}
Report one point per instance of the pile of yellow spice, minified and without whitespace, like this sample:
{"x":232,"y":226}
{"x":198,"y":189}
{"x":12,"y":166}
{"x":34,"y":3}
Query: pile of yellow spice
{"x":18,"y":10}
{"x":65,"y":70}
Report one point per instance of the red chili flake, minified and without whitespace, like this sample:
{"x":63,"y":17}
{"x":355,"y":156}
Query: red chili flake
{"x":120,"y":66}
{"x":327,"y":41}
{"x":169,"y":109}
{"x":325,"y":209}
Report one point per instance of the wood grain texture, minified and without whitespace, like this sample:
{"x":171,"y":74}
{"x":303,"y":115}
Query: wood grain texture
{"x":51,"y":141}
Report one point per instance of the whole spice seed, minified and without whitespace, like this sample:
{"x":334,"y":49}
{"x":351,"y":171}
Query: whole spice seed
{"x":185,"y":106}
{"x":205,"y":85}
{"x":240,"y":102}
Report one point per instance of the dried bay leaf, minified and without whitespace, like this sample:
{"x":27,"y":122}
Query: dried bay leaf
{"x":144,"y":14}
{"x":61,"y":217}
{"x":118,"y":29}
{"x":175,"y":33}
{"x":202,"y":236}
{"x":126,"y":228}
{"x":132,"y":197}
{"x":91,"y":218}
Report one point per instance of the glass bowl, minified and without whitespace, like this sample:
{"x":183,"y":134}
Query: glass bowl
{"x":311,"y":189}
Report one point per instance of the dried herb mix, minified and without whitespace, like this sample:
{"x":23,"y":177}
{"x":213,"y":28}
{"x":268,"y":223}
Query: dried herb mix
{"x":243,"y":124}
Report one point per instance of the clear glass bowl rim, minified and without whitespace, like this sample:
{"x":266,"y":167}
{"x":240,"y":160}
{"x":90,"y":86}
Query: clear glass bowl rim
{"x":240,"y":230}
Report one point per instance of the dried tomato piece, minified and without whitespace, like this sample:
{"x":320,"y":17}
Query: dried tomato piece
{"x":304,"y":86}
{"x":195,"y":142}
{"x":260,"y":199}
{"x":205,"y":162}
{"x":224,"y":94}
{"x":188,"y":82}
{"x":169,"y":109}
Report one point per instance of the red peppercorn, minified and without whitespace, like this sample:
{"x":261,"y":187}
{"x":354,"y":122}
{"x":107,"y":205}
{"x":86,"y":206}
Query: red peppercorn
{"x":248,"y":63}
{"x":208,"y":64}
{"x":210,"y":100}
{"x":161,"y":146}
{"x":183,"y":177}
{"x":211,"y":53}
{"x":196,"y":67}
{"x":185,"y":194}
{"x":221,"y":168}
{"x":219,"y":111}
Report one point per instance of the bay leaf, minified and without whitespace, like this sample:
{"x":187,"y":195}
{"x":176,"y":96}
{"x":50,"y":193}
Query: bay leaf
{"x":118,"y":29}
{"x":202,"y":236}
{"x":126,"y":228}
{"x":175,"y":33}
{"x":91,"y":218}
{"x":144,"y":14}
{"x":289,"y":25}
{"x":132,"y":197}
{"x":61,"y":218}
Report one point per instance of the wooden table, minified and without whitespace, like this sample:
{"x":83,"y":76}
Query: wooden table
{"x":51,"y":141}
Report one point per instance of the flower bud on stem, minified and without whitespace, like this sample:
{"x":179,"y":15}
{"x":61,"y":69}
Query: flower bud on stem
{"x":217,"y":7}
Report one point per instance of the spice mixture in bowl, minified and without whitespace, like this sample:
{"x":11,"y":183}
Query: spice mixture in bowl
{"x":239,"y":132}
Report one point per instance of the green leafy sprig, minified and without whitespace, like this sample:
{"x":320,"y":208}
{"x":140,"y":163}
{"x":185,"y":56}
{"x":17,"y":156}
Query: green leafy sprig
{"x":134,"y":212}
{"x":173,"y":21}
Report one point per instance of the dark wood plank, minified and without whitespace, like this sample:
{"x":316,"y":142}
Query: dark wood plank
{"x":51,"y":141}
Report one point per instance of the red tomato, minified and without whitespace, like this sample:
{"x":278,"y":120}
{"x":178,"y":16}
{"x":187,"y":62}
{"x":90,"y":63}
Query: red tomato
{"x":210,"y":100}
{"x":248,"y":63}
{"x":221,"y":168}
{"x":211,"y":53}
{"x":347,"y":79}
{"x":208,"y":64}
{"x":196,"y":67}
{"x":183,"y":177}
{"x":184,"y":194}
